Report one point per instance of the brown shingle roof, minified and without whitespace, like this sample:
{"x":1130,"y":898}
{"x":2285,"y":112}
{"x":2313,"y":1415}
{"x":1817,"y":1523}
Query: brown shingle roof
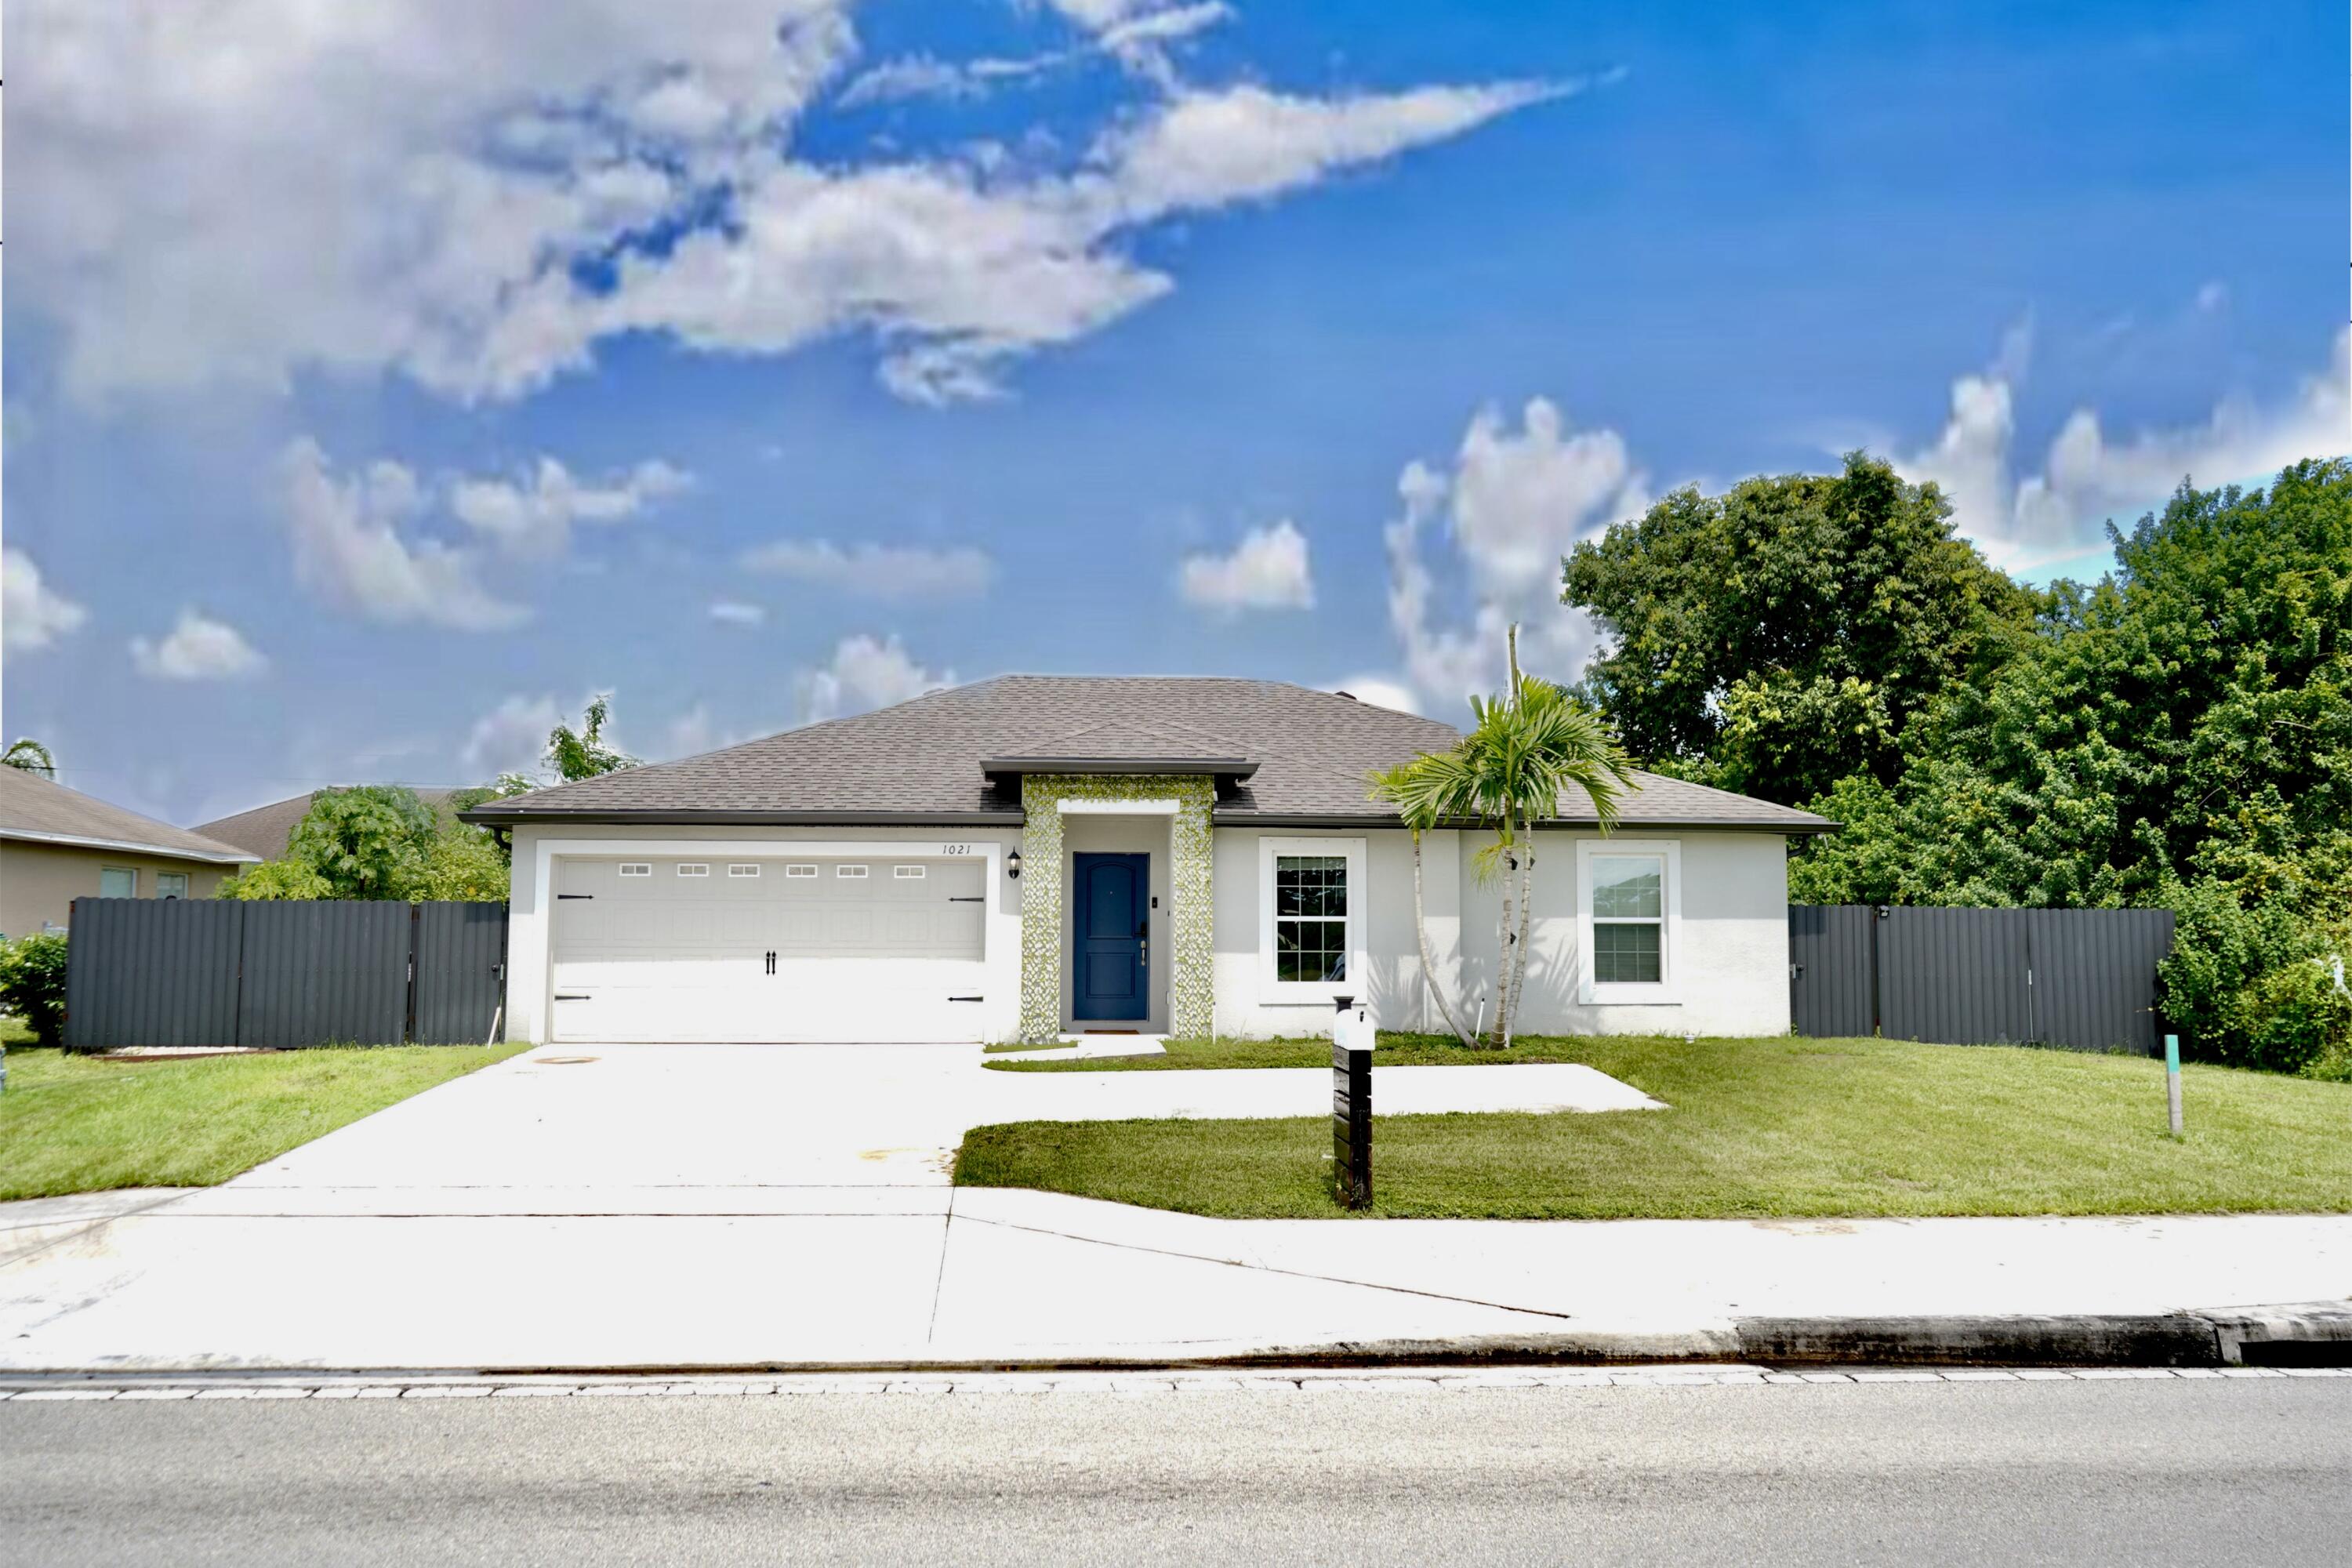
{"x":265,"y":829}
{"x":37,"y":810}
{"x":920,"y":760}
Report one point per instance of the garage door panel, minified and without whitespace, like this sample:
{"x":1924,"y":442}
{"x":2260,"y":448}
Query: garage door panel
{"x":663,"y":957}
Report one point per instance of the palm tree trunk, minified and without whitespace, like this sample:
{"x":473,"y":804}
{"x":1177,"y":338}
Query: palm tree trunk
{"x":1526,"y":925}
{"x":1428,"y":970}
{"x":1503,"y":955}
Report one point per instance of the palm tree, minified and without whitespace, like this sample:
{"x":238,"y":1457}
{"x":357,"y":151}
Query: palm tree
{"x":1424,"y":790}
{"x":1506,"y":775}
{"x":30,"y":756}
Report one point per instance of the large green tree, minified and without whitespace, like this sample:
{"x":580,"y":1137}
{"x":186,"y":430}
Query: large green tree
{"x":380,"y":841}
{"x":1778,"y":638}
{"x":2194,"y":719}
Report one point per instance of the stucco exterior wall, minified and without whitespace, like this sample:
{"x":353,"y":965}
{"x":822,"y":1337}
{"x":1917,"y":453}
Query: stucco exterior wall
{"x":39,"y":882}
{"x":1732,"y":960}
{"x":527,"y":929}
{"x":1732,"y":964}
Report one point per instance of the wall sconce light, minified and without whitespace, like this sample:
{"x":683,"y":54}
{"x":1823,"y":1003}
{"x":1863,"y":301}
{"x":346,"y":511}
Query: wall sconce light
{"x":1013,"y":866}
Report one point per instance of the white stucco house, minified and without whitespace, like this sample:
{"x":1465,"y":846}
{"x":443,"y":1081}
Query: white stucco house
{"x":1037,"y":855}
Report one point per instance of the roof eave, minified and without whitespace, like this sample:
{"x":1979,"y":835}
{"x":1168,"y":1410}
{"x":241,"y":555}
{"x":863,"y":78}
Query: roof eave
{"x":1221,"y":767}
{"x":1242,"y":816}
{"x":490,"y":815}
{"x":131,"y":847}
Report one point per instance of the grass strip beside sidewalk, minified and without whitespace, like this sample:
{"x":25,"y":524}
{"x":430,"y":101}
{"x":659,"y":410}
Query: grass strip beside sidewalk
{"x":77,"y":1124}
{"x":1757,"y":1129}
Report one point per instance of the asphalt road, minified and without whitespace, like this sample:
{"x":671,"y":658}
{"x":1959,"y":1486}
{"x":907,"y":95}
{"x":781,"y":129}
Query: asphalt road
{"x":2209,"y":1473}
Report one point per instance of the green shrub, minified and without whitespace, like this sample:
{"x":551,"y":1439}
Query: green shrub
{"x":33,"y":983}
{"x":2257,"y":986}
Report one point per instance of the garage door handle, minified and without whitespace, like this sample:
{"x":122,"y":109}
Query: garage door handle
{"x":967,"y":898}
{"x":967,"y":998}
{"x":575,"y":895}
{"x":572,"y":996}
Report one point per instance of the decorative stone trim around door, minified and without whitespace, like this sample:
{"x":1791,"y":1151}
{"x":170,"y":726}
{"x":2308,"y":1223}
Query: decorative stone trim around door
{"x":1191,"y":932}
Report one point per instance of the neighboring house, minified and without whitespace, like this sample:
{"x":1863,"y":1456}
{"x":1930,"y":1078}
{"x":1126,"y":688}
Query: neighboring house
{"x":265,"y":829}
{"x":58,"y":844}
{"x":1036,"y":854}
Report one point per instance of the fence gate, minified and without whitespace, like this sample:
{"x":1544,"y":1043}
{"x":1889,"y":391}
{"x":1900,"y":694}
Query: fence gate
{"x":2082,"y":978}
{"x":1832,"y":970}
{"x":461,"y":972}
{"x":177,"y":971}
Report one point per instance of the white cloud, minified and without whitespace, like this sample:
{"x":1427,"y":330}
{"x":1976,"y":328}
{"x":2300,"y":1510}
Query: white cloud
{"x":1381,"y":691}
{"x":1205,"y":150}
{"x":2058,"y":513}
{"x":32,"y":613}
{"x":1266,"y":570}
{"x":218,"y":195}
{"x":197,"y":648}
{"x":864,"y":673}
{"x":512,"y":737}
{"x":533,"y":516}
{"x":1515,"y":503}
{"x":734,"y":613}
{"x":888,"y":572}
{"x":1138,"y":38}
{"x":347,"y":545}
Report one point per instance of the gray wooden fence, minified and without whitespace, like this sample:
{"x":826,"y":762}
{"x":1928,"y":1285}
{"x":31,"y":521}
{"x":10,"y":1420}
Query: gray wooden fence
{"x":177,"y":971}
{"x":2082,"y":978}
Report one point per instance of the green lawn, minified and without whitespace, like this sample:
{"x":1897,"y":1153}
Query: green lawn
{"x":1764,"y":1127}
{"x":74,"y":1124}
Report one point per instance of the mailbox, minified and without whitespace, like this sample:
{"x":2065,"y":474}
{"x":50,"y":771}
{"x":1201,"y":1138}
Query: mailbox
{"x":1351,"y":1105}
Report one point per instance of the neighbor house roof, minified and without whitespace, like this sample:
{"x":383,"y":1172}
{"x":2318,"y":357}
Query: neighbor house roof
{"x":1283,"y":755}
{"x":36,"y":811}
{"x":265,"y":829}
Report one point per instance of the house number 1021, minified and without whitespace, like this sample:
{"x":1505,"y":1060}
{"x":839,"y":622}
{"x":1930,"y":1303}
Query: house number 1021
{"x":955,"y":848}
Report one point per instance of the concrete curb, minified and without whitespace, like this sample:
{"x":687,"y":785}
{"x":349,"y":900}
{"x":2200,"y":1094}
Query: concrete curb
{"x":2313,"y":1335}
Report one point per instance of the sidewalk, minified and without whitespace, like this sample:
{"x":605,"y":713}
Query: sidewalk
{"x":892,"y":1278}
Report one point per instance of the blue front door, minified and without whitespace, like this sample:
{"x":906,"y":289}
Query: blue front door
{"x":1113,"y":923}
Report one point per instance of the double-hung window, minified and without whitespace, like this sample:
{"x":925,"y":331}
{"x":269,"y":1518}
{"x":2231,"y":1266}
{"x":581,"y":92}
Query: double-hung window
{"x":170,"y":884}
{"x":1312,"y":906}
{"x":118,"y":882}
{"x":1627,"y":894}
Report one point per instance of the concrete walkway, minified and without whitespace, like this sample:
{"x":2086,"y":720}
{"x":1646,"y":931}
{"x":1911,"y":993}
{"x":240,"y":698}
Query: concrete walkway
{"x":716,"y":1206}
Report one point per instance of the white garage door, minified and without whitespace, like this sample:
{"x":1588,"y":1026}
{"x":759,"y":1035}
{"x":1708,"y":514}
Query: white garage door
{"x":809,"y":949}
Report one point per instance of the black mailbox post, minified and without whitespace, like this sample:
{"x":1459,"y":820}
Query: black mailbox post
{"x":1351,"y":1119}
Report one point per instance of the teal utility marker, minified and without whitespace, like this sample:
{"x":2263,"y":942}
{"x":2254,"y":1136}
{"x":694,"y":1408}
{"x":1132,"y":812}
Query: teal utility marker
{"x":2172,"y":1079}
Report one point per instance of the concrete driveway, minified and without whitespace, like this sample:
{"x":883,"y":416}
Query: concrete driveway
{"x":631,"y":1205}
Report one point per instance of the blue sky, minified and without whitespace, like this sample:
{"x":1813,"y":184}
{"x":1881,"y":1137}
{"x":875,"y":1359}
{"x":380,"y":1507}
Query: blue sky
{"x":379,"y":389}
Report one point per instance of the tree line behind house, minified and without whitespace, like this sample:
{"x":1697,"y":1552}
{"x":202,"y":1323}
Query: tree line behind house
{"x":2177,"y":735}
{"x":383,"y":841}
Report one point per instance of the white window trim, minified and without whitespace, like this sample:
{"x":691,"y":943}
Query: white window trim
{"x":907,"y":873}
{"x":1275,"y":992}
{"x":635,"y":869}
{"x":161,"y":876}
{"x":130,"y":871}
{"x":1667,"y":990}
{"x":694,"y":868}
{"x":799,"y":871}
{"x":846,"y":872}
